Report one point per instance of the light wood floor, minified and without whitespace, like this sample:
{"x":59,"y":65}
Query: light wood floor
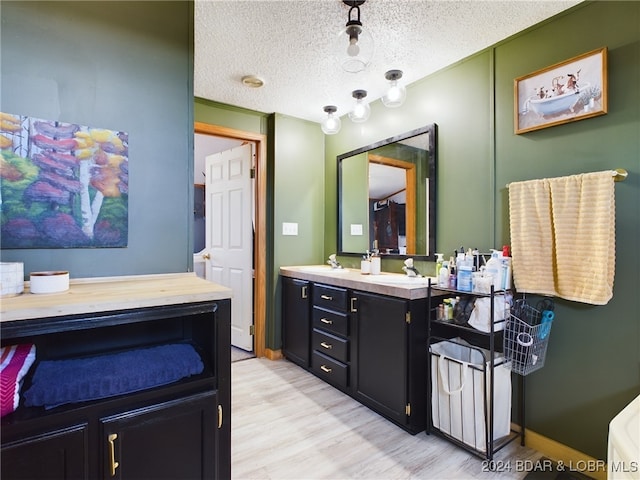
{"x":288,"y":424}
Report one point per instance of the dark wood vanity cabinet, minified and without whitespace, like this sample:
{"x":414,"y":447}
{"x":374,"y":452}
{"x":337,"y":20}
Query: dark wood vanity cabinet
{"x":176,"y":430}
{"x":296,"y":320}
{"x":55,"y":454}
{"x":330,"y":337}
{"x":389,"y":357}
{"x":368,"y":345}
{"x":169,"y":440}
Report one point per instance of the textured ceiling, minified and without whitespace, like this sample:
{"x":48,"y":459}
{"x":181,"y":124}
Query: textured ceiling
{"x":289,"y":44}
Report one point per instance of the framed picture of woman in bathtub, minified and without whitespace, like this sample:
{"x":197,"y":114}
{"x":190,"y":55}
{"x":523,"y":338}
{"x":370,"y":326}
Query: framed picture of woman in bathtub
{"x":565,"y":92}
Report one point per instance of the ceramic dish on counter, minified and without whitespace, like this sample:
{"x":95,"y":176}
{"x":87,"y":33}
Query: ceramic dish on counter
{"x":49,"y":282}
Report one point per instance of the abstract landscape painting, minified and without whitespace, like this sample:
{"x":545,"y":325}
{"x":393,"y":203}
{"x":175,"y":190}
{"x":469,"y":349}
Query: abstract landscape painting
{"x":62,"y":185}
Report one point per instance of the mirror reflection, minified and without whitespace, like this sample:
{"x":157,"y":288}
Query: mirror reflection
{"x":386,"y":194}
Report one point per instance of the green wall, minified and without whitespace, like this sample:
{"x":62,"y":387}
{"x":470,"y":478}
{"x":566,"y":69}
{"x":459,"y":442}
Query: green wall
{"x":116,"y":65}
{"x":298,"y":169}
{"x":592,"y":368}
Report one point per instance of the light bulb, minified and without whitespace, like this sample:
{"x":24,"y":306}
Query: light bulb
{"x":361,"y":110}
{"x":396,"y":94}
{"x":356,"y":55}
{"x":331,"y":124}
{"x":353,"y":50}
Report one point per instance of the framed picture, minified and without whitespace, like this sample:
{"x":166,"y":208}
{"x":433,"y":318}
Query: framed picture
{"x":565,"y":92}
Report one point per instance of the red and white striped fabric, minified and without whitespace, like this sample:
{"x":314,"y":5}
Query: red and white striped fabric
{"x":15,"y":361}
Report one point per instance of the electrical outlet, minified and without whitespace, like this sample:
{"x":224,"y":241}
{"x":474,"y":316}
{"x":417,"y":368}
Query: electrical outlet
{"x":289,"y":228}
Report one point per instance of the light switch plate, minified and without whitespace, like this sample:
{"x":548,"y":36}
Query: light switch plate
{"x":289,"y":228}
{"x":356,"y":229}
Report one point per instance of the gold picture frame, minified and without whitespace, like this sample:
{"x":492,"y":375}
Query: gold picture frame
{"x":568,"y":91}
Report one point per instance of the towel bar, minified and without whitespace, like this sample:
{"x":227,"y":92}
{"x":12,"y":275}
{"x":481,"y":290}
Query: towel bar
{"x":619,"y":175}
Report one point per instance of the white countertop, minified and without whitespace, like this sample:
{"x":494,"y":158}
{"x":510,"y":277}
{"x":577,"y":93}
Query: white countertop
{"x":102,"y":294}
{"x":392,"y":284}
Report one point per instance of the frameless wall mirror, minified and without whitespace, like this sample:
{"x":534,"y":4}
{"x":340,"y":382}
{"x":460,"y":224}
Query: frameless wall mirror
{"x":386,"y":196}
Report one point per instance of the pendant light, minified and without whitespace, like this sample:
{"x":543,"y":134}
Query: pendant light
{"x":355,"y":46}
{"x":396,"y":92}
{"x":361,"y":111}
{"x":331,"y":125}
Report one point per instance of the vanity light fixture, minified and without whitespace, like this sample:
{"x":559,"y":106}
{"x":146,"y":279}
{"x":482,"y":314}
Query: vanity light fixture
{"x":331,"y":125}
{"x":397,"y":92}
{"x":361,"y":110}
{"x":355,"y":45}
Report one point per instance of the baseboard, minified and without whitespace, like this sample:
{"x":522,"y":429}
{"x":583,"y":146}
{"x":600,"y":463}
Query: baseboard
{"x":273,"y":354}
{"x":571,"y":459}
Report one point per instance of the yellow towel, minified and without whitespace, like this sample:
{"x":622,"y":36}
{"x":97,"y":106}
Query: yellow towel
{"x":563,"y":236}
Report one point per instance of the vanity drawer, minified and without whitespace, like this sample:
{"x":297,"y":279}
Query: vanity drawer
{"x":330,"y":370}
{"x":333,"y":322}
{"x":333,"y":298}
{"x":330,"y":345}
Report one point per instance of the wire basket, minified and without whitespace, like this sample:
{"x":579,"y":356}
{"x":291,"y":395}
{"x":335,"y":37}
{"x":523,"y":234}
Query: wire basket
{"x":526,"y":336}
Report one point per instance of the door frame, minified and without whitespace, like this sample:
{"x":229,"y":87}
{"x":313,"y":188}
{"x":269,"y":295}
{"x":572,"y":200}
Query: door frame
{"x":260,"y":240}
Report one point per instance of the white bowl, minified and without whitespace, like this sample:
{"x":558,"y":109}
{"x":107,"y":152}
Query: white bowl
{"x":49,"y":282}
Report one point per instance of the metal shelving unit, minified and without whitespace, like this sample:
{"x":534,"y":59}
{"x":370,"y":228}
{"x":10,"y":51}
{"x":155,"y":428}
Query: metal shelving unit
{"x":490,"y":345}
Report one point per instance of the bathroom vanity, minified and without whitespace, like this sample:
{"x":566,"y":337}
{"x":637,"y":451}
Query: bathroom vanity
{"x":174,"y":430}
{"x":364,"y":334}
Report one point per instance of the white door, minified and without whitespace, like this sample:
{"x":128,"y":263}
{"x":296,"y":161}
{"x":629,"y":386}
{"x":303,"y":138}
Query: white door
{"x":229,"y":234}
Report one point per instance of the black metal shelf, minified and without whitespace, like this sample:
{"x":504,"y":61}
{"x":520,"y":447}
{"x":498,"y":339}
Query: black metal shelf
{"x":490,"y":341}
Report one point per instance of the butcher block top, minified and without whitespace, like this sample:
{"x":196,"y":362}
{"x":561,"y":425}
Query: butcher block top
{"x":103,"y":294}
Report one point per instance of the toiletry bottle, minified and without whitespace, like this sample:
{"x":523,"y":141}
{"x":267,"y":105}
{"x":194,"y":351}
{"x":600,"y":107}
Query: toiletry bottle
{"x":439,"y":261}
{"x":452,"y":306}
{"x":494,"y":268}
{"x":443,"y":275}
{"x":375,"y":265}
{"x":453,"y":279}
{"x":447,"y":307}
{"x":506,"y":273}
{"x":365,"y":264}
{"x":464,"y":277}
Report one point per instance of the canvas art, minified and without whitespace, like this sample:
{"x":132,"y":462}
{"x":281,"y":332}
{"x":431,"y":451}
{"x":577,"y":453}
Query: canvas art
{"x":62,"y":185}
{"x":575,"y":89}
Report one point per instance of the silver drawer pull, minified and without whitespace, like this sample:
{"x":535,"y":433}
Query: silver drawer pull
{"x":326,"y":297}
{"x":327,"y":321}
{"x":326,"y":345}
{"x":324,"y":368}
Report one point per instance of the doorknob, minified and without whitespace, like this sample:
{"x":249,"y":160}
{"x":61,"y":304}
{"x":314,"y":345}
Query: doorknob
{"x":206,"y":256}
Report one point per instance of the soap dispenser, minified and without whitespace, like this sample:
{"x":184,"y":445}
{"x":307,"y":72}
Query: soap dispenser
{"x":439,"y":260}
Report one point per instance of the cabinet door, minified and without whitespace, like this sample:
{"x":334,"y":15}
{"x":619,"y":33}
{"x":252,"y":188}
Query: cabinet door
{"x":296,"y":321}
{"x":171,"y":440}
{"x":59,"y":454}
{"x":381,"y":355}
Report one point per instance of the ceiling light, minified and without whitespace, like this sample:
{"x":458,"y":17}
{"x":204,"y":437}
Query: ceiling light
{"x":397,"y":92}
{"x":331,"y":125}
{"x":361,"y":110}
{"x":252,"y":81}
{"x":355,"y":44}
